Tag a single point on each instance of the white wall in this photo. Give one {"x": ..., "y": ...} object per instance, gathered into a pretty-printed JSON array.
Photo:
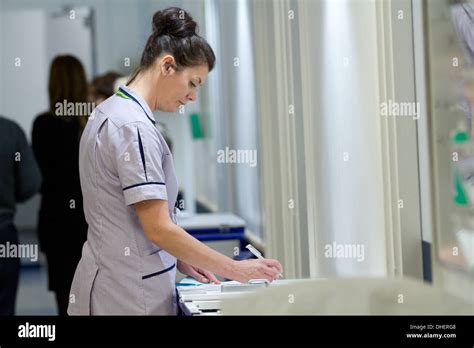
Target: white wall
[
  {"x": 69, "y": 33},
  {"x": 120, "y": 33},
  {"x": 24, "y": 85},
  {"x": 23, "y": 93}
]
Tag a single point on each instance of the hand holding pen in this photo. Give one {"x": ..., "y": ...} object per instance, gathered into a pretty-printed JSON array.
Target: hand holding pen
[{"x": 256, "y": 253}]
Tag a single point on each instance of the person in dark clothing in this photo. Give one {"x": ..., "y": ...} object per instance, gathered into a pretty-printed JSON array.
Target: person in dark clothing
[
  {"x": 20, "y": 180},
  {"x": 62, "y": 228}
]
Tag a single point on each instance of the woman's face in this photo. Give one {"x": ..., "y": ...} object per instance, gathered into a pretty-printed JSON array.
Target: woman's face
[{"x": 180, "y": 86}]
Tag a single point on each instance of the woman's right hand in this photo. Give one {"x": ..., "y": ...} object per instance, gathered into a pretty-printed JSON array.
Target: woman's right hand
[{"x": 256, "y": 269}]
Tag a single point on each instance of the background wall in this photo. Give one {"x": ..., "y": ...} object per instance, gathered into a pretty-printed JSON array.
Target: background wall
[{"x": 234, "y": 119}]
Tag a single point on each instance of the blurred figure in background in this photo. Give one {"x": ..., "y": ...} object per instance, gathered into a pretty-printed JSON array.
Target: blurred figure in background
[
  {"x": 62, "y": 228},
  {"x": 166, "y": 135},
  {"x": 21, "y": 179},
  {"x": 103, "y": 87},
  {"x": 463, "y": 17}
]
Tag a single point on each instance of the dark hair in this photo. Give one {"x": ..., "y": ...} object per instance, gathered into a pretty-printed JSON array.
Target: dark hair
[
  {"x": 103, "y": 86},
  {"x": 175, "y": 32},
  {"x": 67, "y": 81}
]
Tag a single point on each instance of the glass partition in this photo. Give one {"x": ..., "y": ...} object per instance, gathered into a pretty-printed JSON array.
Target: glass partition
[{"x": 450, "y": 29}]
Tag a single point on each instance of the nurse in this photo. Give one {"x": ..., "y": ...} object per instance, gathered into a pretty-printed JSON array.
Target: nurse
[{"x": 134, "y": 246}]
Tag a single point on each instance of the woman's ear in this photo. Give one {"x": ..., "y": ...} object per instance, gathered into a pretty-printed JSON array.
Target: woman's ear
[{"x": 167, "y": 65}]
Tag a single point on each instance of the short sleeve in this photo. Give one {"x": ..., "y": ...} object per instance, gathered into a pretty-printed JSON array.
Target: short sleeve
[{"x": 137, "y": 153}]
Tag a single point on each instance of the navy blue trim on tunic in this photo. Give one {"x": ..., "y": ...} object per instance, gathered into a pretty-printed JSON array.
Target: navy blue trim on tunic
[
  {"x": 160, "y": 272},
  {"x": 136, "y": 101},
  {"x": 144, "y": 183},
  {"x": 142, "y": 153}
]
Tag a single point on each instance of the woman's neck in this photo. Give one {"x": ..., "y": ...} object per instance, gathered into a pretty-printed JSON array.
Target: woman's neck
[{"x": 145, "y": 86}]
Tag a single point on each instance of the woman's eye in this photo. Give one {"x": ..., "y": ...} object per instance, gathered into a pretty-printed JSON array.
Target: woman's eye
[{"x": 192, "y": 84}]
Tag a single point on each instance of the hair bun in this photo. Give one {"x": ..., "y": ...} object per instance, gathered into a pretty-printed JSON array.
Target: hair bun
[{"x": 174, "y": 22}]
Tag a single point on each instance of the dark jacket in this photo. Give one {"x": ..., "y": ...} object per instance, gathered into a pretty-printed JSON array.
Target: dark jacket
[
  {"x": 62, "y": 228},
  {"x": 20, "y": 178}
]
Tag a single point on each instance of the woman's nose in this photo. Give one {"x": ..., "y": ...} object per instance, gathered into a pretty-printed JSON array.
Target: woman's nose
[{"x": 192, "y": 96}]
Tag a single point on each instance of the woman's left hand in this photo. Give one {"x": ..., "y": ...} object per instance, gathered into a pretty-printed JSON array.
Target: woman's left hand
[{"x": 197, "y": 273}]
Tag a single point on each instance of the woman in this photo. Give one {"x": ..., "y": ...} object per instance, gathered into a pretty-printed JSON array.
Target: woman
[
  {"x": 62, "y": 228},
  {"x": 129, "y": 261}
]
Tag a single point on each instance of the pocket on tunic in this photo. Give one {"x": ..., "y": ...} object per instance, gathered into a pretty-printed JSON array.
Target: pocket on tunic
[
  {"x": 81, "y": 288},
  {"x": 154, "y": 274},
  {"x": 158, "y": 280}
]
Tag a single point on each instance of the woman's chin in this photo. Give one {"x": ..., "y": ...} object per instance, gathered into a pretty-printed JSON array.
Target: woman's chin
[{"x": 169, "y": 109}]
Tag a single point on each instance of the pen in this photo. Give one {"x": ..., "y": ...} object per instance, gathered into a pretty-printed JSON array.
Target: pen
[{"x": 256, "y": 253}]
